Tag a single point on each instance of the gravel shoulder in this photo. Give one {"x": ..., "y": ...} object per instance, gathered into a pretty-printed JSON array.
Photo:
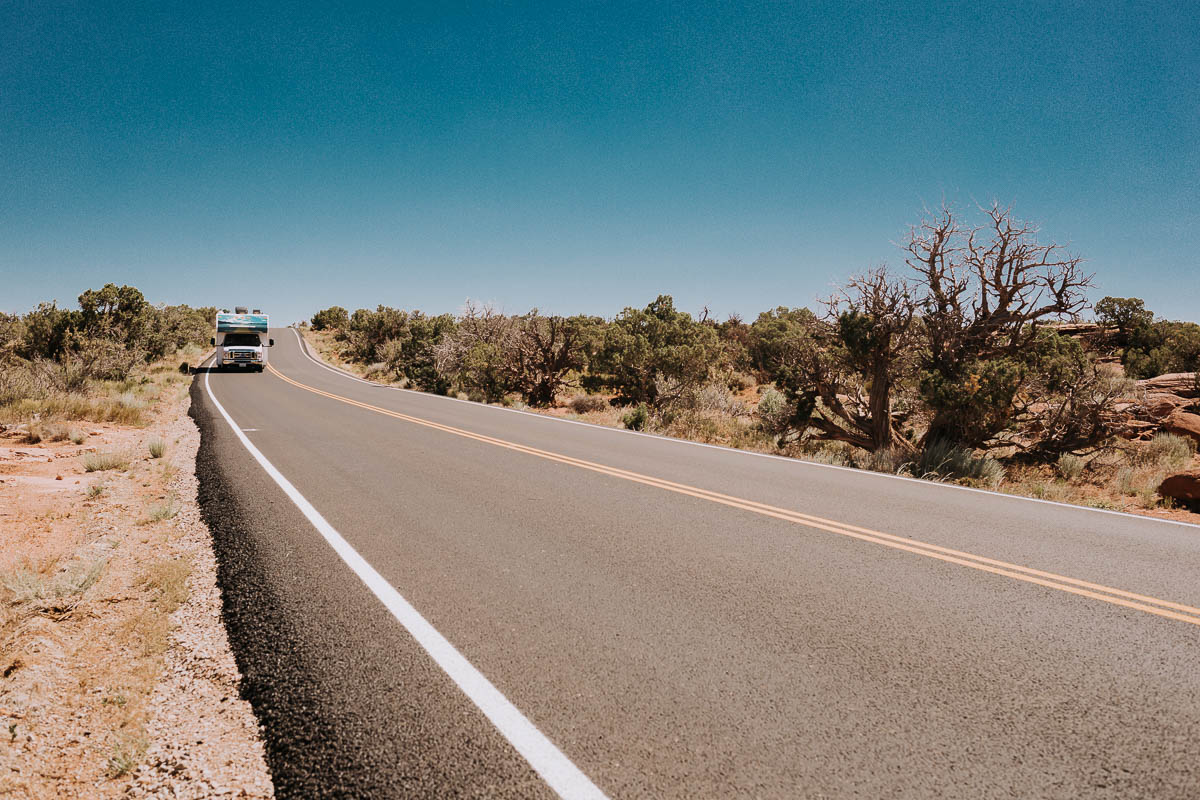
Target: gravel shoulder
[{"x": 116, "y": 676}]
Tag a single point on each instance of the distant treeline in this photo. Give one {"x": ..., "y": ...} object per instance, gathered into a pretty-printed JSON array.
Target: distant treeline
[
  {"x": 114, "y": 329},
  {"x": 962, "y": 348}
]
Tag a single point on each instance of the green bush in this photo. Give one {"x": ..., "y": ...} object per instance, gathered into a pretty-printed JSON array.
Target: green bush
[
  {"x": 642, "y": 347},
  {"x": 1162, "y": 348},
  {"x": 637, "y": 419},
  {"x": 332, "y": 318}
]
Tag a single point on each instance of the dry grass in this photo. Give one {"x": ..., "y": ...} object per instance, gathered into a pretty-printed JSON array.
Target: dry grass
[
  {"x": 30, "y": 394},
  {"x": 168, "y": 582},
  {"x": 127, "y": 752},
  {"x": 100, "y": 462},
  {"x": 43, "y": 589},
  {"x": 163, "y": 511},
  {"x": 81, "y": 407},
  {"x": 157, "y": 447}
]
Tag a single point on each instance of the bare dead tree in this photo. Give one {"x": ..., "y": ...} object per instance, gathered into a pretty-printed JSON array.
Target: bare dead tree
[
  {"x": 545, "y": 350},
  {"x": 987, "y": 290},
  {"x": 477, "y": 351}
]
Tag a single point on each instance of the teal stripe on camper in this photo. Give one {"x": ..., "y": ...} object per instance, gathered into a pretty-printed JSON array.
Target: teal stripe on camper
[{"x": 241, "y": 323}]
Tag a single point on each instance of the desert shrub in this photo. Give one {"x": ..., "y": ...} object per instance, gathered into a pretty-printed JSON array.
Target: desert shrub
[
  {"x": 716, "y": 398},
  {"x": 39, "y": 431},
  {"x": 544, "y": 350},
  {"x": 104, "y": 359},
  {"x": 332, "y": 318},
  {"x": 944, "y": 459},
  {"x": 1161, "y": 348},
  {"x": 157, "y": 447},
  {"x": 644, "y": 347},
  {"x": 378, "y": 370},
  {"x": 59, "y": 592},
  {"x": 637, "y": 419},
  {"x": 390, "y": 353},
  {"x": 775, "y": 335},
  {"x": 130, "y": 400},
  {"x": 889, "y": 459},
  {"x": 163, "y": 511},
  {"x": 837, "y": 454},
  {"x": 588, "y": 403},
  {"x": 12, "y": 333},
  {"x": 1165, "y": 450},
  {"x": 1070, "y": 466},
  {"x": 1126, "y": 314},
  {"x": 740, "y": 382},
  {"x": 98, "y": 462},
  {"x": 774, "y": 412},
  {"x": 174, "y": 328},
  {"x": 128, "y": 750}
]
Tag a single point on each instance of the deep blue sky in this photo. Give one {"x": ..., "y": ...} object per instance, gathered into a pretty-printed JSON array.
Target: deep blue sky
[{"x": 582, "y": 157}]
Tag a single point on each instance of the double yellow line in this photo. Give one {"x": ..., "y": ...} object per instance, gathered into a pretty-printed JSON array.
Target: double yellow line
[{"x": 1050, "y": 580}]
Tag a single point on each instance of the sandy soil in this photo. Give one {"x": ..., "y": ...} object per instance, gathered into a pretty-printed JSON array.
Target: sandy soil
[{"x": 116, "y": 678}]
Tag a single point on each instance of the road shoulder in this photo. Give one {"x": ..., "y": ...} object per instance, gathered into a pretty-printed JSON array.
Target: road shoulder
[{"x": 118, "y": 676}]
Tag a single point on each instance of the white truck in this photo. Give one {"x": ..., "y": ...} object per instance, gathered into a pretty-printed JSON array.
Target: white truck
[{"x": 240, "y": 341}]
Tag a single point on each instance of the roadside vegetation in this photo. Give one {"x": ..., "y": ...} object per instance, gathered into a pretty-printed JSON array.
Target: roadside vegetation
[
  {"x": 97, "y": 363},
  {"x": 969, "y": 363},
  {"x": 88, "y": 581}
]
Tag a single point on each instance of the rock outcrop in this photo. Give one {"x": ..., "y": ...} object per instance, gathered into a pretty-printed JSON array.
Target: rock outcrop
[
  {"x": 1180, "y": 384},
  {"x": 1183, "y": 487},
  {"x": 1182, "y": 423},
  {"x": 1167, "y": 403}
]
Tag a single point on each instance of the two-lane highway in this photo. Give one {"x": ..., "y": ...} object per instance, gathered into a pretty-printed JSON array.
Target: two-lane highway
[{"x": 673, "y": 620}]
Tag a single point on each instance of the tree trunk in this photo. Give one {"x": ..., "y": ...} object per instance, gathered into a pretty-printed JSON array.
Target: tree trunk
[{"x": 881, "y": 409}]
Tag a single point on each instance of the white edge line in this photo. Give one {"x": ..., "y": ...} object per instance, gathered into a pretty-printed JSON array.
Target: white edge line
[
  {"x": 547, "y": 760},
  {"x": 799, "y": 462}
]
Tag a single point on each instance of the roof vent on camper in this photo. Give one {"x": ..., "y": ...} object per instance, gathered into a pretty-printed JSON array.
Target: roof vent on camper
[
  {"x": 256, "y": 311},
  {"x": 239, "y": 309}
]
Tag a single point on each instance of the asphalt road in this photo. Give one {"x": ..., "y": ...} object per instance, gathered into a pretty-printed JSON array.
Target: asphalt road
[{"x": 678, "y": 620}]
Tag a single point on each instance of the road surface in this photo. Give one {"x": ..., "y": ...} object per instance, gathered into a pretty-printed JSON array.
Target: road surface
[{"x": 435, "y": 598}]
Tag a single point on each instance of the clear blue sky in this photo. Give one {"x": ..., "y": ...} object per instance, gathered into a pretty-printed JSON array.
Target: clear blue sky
[{"x": 580, "y": 157}]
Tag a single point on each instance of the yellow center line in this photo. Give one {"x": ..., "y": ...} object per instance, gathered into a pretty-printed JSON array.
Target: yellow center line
[{"x": 1095, "y": 591}]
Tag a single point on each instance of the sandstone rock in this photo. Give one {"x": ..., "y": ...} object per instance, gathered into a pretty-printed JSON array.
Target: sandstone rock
[
  {"x": 1179, "y": 383},
  {"x": 1182, "y": 423},
  {"x": 1135, "y": 429},
  {"x": 1183, "y": 486},
  {"x": 1160, "y": 406}
]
